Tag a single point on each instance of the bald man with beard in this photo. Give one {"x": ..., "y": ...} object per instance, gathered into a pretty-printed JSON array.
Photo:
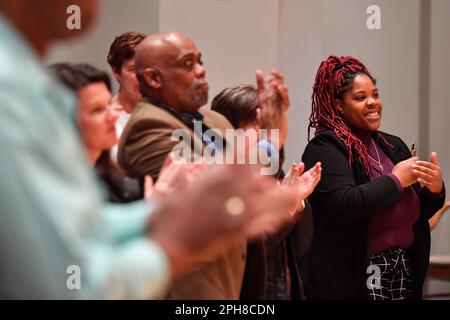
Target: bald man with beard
[
  {"x": 172, "y": 82},
  {"x": 173, "y": 85}
]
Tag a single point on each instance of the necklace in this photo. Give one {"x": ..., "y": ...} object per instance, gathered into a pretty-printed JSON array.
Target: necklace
[{"x": 378, "y": 162}]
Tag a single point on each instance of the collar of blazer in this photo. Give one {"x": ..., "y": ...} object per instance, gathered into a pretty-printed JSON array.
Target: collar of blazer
[{"x": 208, "y": 118}]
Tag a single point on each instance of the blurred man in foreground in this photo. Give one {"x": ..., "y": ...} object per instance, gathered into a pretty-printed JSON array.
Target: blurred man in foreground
[{"x": 58, "y": 240}]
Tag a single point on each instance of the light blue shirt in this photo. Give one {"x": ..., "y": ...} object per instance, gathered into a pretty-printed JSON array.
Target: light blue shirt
[{"x": 58, "y": 239}]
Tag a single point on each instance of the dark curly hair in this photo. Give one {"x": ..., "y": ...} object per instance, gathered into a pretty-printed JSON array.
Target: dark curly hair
[{"x": 122, "y": 48}]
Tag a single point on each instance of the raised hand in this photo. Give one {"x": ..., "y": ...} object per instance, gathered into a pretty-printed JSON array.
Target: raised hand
[
  {"x": 277, "y": 80},
  {"x": 429, "y": 174},
  {"x": 274, "y": 101},
  {"x": 304, "y": 182}
]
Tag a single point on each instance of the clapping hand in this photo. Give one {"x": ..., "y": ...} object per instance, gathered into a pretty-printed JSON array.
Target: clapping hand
[
  {"x": 303, "y": 182},
  {"x": 429, "y": 174},
  {"x": 172, "y": 174}
]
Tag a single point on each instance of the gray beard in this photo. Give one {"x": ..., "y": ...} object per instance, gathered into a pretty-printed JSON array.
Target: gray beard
[{"x": 194, "y": 98}]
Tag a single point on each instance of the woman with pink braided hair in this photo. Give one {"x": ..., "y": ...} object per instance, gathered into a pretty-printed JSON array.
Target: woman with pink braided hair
[{"x": 371, "y": 208}]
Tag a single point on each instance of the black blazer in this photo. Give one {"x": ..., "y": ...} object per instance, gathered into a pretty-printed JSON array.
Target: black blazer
[{"x": 343, "y": 204}]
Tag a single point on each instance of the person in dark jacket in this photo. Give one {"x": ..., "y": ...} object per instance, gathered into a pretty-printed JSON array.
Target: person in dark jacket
[
  {"x": 371, "y": 208},
  {"x": 271, "y": 271}
]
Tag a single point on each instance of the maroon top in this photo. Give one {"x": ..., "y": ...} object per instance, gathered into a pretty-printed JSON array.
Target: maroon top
[{"x": 393, "y": 227}]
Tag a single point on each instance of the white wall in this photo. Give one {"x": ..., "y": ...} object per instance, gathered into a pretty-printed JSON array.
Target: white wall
[
  {"x": 439, "y": 139},
  {"x": 299, "y": 57},
  {"x": 116, "y": 17},
  {"x": 236, "y": 37},
  {"x": 440, "y": 108}
]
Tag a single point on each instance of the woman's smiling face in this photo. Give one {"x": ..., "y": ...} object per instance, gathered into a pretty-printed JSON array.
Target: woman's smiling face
[{"x": 361, "y": 105}]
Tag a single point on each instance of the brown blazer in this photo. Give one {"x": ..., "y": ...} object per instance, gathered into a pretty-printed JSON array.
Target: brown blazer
[
  {"x": 146, "y": 140},
  {"x": 144, "y": 145}
]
